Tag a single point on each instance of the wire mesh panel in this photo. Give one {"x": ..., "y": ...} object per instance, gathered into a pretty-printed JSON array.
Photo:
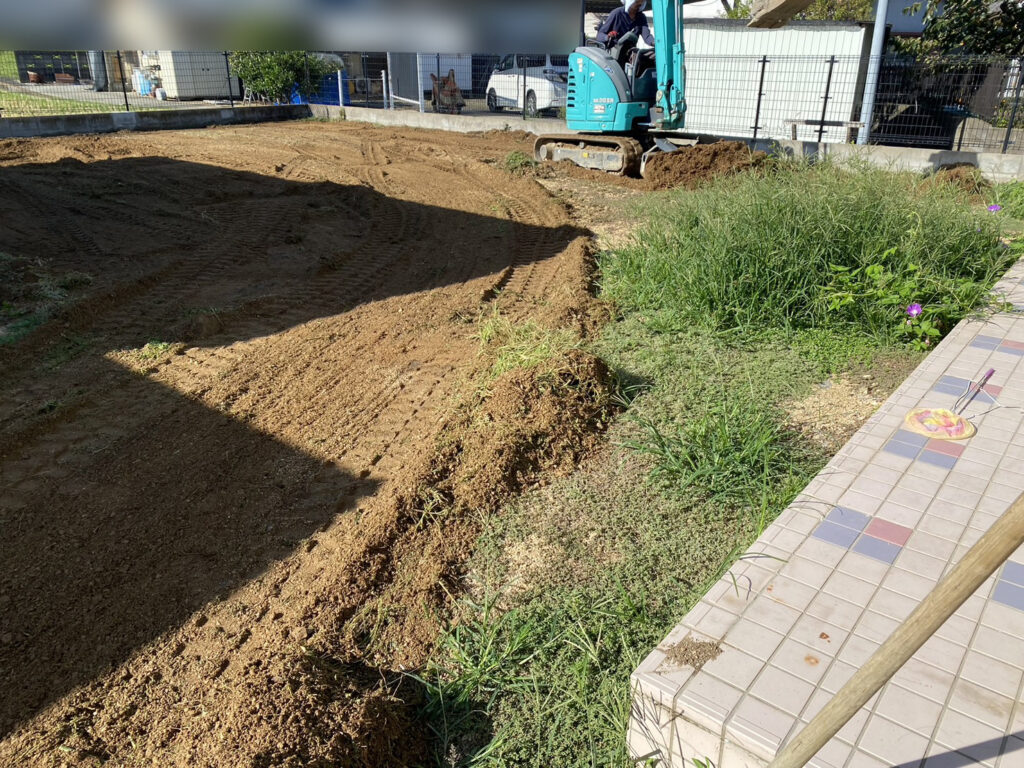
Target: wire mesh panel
[
  {"x": 964, "y": 103},
  {"x": 812, "y": 98},
  {"x": 75, "y": 82}
]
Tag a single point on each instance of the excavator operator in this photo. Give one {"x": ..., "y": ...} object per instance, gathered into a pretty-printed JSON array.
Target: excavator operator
[{"x": 620, "y": 22}]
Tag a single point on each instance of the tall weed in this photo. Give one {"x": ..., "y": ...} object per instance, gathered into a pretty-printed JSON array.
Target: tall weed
[{"x": 777, "y": 249}]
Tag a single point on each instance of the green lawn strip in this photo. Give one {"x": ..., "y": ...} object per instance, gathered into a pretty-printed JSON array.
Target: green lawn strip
[
  {"x": 29, "y": 104},
  {"x": 8, "y": 65},
  {"x": 729, "y": 311}
]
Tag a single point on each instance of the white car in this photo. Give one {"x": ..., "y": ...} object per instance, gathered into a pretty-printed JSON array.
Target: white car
[{"x": 534, "y": 83}]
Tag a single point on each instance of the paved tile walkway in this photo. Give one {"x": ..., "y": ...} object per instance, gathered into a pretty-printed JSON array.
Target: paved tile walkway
[{"x": 838, "y": 571}]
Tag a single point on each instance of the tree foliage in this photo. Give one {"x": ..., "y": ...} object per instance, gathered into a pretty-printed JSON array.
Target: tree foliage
[
  {"x": 819, "y": 10},
  {"x": 979, "y": 27},
  {"x": 272, "y": 74}
]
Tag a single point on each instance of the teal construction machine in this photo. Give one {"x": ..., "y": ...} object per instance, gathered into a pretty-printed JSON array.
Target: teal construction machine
[{"x": 625, "y": 106}]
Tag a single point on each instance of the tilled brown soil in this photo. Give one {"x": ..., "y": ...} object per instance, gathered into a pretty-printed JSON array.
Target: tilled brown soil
[{"x": 224, "y": 548}]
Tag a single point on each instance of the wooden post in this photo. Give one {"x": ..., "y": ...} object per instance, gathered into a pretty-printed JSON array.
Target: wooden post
[
  {"x": 980, "y": 562},
  {"x": 769, "y": 14}
]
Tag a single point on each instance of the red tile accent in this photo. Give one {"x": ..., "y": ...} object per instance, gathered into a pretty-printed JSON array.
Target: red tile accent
[
  {"x": 946, "y": 447},
  {"x": 993, "y": 389},
  {"x": 883, "y": 529},
  {"x": 1012, "y": 344}
]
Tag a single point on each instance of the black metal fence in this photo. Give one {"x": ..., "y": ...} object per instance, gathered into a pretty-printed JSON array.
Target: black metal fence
[{"x": 964, "y": 103}]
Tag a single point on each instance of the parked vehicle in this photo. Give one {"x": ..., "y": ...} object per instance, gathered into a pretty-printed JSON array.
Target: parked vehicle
[{"x": 535, "y": 83}]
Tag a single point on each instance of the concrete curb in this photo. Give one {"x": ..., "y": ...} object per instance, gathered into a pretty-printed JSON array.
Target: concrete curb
[
  {"x": 993, "y": 166},
  {"x": 151, "y": 120},
  {"x": 454, "y": 123}
]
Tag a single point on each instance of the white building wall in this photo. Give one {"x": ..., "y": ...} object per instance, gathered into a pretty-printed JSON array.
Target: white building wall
[{"x": 723, "y": 74}]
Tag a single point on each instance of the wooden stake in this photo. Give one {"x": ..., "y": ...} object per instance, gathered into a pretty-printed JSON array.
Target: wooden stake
[{"x": 980, "y": 562}]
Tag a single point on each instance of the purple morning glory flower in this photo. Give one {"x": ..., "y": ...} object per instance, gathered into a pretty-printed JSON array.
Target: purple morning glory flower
[
  {"x": 914, "y": 310},
  {"x": 995, "y": 208}
]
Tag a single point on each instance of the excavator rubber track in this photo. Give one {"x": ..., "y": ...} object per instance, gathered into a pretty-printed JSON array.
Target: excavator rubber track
[{"x": 613, "y": 154}]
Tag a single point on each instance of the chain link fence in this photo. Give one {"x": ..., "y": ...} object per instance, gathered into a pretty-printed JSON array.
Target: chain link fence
[{"x": 957, "y": 102}]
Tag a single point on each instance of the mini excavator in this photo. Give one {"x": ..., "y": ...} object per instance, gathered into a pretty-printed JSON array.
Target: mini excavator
[{"x": 626, "y": 107}]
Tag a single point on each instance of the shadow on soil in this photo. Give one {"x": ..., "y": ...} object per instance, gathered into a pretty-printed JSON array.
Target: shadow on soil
[{"x": 130, "y": 506}]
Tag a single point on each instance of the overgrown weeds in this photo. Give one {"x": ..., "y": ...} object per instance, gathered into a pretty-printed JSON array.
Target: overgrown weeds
[{"x": 802, "y": 247}]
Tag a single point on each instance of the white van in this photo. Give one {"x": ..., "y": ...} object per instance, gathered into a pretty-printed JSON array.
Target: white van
[{"x": 535, "y": 83}]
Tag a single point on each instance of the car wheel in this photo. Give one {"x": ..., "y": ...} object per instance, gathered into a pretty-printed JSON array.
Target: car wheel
[
  {"x": 492, "y": 101},
  {"x": 531, "y": 104}
]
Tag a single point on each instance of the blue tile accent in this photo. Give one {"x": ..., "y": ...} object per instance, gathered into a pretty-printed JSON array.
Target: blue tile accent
[
  {"x": 910, "y": 438},
  {"x": 1009, "y": 594},
  {"x": 848, "y": 518},
  {"x": 902, "y": 449},
  {"x": 1011, "y": 351},
  {"x": 937, "y": 459},
  {"x": 835, "y": 534},
  {"x": 958, "y": 387},
  {"x": 1013, "y": 572},
  {"x": 989, "y": 342},
  {"x": 876, "y": 548}
]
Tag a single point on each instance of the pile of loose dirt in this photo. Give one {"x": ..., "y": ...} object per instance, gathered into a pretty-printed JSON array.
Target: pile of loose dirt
[
  {"x": 512, "y": 136},
  {"x": 964, "y": 176},
  {"x": 691, "y": 166},
  {"x": 691, "y": 652}
]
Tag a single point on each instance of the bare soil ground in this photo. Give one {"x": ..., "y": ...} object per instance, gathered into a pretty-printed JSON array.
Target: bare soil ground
[
  {"x": 235, "y": 489},
  {"x": 243, "y": 450}
]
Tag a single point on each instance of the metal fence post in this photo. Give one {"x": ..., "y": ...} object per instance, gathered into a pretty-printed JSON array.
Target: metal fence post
[
  {"x": 760, "y": 94},
  {"x": 124, "y": 90},
  {"x": 231, "y": 91},
  {"x": 963, "y": 130},
  {"x": 522, "y": 69},
  {"x": 1016, "y": 104},
  {"x": 824, "y": 105},
  {"x": 341, "y": 95}
]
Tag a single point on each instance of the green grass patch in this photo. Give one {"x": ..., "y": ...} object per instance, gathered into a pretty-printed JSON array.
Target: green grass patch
[
  {"x": 154, "y": 350},
  {"x": 521, "y": 345},
  {"x": 518, "y": 163},
  {"x": 29, "y": 104},
  {"x": 802, "y": 246},
  {"x": 8, "y": 65},
  {"x": 1010, "y": 198},
  {"x": 581, "y": 580}
]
